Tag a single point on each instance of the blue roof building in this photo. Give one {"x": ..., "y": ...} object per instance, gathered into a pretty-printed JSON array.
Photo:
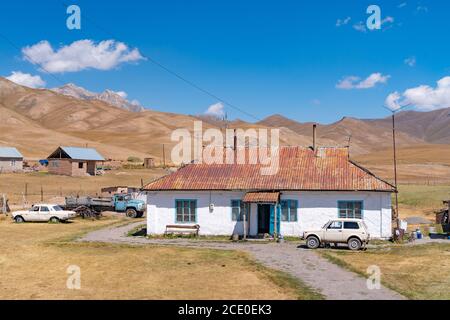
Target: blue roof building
[
  {"x": 74, "y": 161},
  {"x": 11, "y": 160},
  {"x": 10, "y": 153}
]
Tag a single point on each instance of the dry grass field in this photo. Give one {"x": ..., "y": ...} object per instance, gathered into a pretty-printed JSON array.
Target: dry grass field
[
  {"x": 417, "y": 164},
  {"x": 54, "y": 186},
  {"x": 417, "y": 272},
  {"x": 34, "y": 258}
]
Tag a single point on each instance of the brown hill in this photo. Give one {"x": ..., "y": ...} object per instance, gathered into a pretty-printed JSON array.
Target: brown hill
[
  {"x": 362, "y": 136},
  {"x": 432, "y": 126},
  {"x": 38, "y": 120}
]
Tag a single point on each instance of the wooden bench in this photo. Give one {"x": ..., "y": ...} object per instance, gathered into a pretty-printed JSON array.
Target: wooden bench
[{"x": 182, "y": 229}]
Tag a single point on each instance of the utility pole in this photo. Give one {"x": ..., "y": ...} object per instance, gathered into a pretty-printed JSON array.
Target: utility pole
[
  {"x": 395, "y": 165},
  {"x": 394, "y": 145}
]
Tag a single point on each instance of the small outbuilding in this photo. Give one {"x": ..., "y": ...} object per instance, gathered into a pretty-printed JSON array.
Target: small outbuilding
[
  {"x": 11, "y": 160},
  {"x": 74, "y": 161}
]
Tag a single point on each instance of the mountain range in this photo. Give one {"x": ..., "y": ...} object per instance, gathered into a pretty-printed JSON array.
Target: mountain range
[
  {"x": 36, "y": 121},
  {"x": 117, "y": 99}
]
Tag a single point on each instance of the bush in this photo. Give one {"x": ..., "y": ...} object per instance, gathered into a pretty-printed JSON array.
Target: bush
[{"x": 134, "y": 159}]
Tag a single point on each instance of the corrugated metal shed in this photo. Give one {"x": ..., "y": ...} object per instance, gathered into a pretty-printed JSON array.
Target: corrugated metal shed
[
  {"x": 76, "y": 153},
  {"x": 10, "y": 153},
  {"x": 299, "y": 169}
]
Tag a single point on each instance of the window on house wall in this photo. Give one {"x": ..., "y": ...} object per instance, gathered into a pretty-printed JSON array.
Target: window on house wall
[
  {"x": 13, "y": 163},
  {"x": 239, "y": 209},
  {"x": 350, "y": 209},
  {"x": 186, "y": 211},
  {"x": 80, "y": 165},
  {"x": 289, "y": 210}
]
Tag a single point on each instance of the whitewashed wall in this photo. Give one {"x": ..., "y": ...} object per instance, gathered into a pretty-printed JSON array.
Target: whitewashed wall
[
  {"x": 8, "y": 165},
  {"x": 314, "y": 210}
]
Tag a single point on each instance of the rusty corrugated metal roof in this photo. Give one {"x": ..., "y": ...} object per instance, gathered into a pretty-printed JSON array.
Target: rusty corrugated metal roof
[
  {"x": 299, "y": 169},
  {"x": 261, "y": 197}
]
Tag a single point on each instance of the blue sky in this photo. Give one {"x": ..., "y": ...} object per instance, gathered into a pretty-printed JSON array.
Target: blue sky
[{"x": 265, "y": 57}]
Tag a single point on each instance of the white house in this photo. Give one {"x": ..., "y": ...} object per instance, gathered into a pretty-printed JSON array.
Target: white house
[{"x": 310, "y": 188}]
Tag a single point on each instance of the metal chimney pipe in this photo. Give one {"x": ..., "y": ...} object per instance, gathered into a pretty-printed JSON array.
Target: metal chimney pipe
[{"x": 314, "y": 136}]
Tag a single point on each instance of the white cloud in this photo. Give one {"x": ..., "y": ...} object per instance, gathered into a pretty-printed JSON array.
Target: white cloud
[
  {"x": 342, "y": 22},
  {"x": 122, "y": 94},
  {"x": 421, "y": 8},
  {"x": 385, "y": 23},
  {"x": 80, "y": 55},
  {"x": 402, "y": 5},
  {"x": 360, "y": 26},
  {"x": 354, "y": 82},
  {"x": 26, "y": 79},
  {"x": 411, "y": 61},
  {"x": 393, "y": 101},
  {"x": 216, "y": 110},
  {"x": 423, "y": 97},
  {"x": 388, "y": 19},
  {"x": 135, "y": 102}
]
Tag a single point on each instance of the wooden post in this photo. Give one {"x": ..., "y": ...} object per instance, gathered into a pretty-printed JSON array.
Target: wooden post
[
  {"x": 395, "y": 168},
  {"x": 245, "y": 222},
  {"x": 164, "y": 156},
  {"x": 26, "y": 192},
  {"x": 3, "y": 209},
  {"x": 275, "y": 230},
  {"x": 42, "y": 194}
]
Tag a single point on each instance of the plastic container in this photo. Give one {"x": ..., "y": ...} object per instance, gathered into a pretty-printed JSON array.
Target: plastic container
[{"x": 419, "y": 234}]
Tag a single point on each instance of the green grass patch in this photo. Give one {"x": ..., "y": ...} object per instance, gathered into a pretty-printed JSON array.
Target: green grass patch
[{"x": 423, "y": 196}]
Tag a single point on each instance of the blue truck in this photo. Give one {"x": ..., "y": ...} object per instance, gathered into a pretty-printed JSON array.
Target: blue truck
[{"x": 133, "y": 208}]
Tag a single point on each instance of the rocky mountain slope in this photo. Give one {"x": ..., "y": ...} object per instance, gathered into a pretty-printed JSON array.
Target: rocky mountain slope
[{"x": 117, "y": 99}]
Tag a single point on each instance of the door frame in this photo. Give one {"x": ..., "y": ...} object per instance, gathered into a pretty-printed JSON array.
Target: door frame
[
  {"x": 267, "y": 218},
  {"x": 273, "y": 207}
]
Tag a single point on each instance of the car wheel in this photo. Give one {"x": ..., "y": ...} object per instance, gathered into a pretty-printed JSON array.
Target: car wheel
[
  {"x": 131, "y": 213},
  {"x": 312, "y": 242},
  {"x": 19, "y": 219},
  {"x": 354, "y": 244},
  {"x": 54, "y": 220}
]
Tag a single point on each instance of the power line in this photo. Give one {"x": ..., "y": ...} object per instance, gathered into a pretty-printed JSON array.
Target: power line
[
  {"x": 30, "y": 58},
  {"x": 173, "y": 73}
]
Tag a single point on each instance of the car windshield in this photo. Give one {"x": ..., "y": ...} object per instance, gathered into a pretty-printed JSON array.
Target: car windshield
[
  {"x": 57, "y": 208},
  {"x": 325, "y": 225}
]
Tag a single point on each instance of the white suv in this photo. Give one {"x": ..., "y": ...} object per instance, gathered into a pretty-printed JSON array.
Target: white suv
[{"x": 353, "y": 232}]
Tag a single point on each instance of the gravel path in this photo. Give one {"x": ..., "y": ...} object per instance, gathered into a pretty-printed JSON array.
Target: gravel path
[{"x": 327, "y": 278}]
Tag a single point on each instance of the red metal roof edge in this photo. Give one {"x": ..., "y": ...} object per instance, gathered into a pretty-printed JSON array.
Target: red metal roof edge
[
  {"x": 372, "y": 174},
  {"x": 391, "y": 189}
]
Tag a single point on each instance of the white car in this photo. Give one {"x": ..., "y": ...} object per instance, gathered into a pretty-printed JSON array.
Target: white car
[
  {"x": 353, "y": 232},
  {"x": 43, "y": 213}
]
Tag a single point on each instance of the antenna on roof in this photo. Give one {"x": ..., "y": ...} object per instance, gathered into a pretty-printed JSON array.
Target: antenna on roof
[{"x": 314, "y": 136}]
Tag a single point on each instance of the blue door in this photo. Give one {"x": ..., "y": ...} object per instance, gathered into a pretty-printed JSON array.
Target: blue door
[
  {"x": 272, "y": 218},
  {"x": 120, "y": 203}
]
